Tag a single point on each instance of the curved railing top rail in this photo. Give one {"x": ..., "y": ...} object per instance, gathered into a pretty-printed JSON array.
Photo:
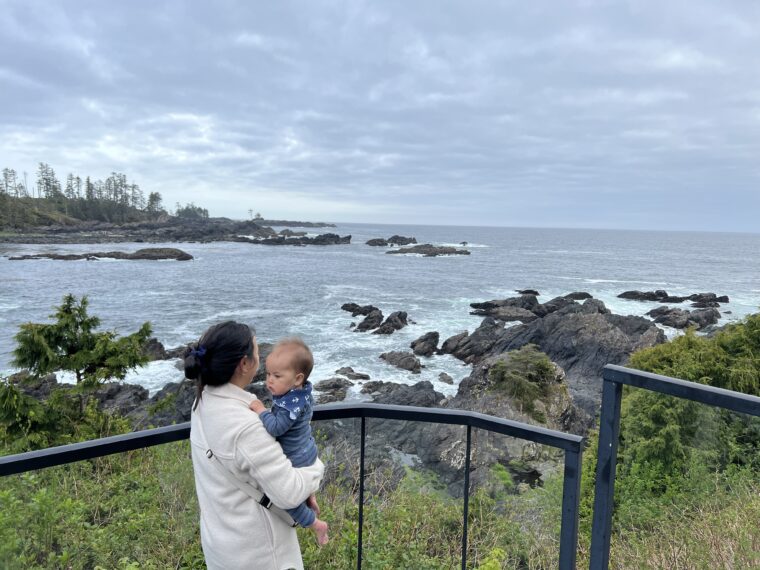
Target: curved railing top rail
[{"x": 63, "y": 454}]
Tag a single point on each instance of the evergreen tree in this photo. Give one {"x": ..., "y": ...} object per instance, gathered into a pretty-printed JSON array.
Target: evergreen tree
[{"x": 71, "y": 343}]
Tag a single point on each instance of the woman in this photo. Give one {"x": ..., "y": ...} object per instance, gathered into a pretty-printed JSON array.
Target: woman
[{"x": 235, "y": 460}]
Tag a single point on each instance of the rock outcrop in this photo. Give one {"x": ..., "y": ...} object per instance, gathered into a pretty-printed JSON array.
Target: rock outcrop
[
  {"x": 403, "y": 360},
  {"x": 426, "y": 345},
  {"x": 149, "y": 254},
  {"x": 681, "y": 318},
  {"x": 429, "y": 250},
  {"x": 395, "y": 321}
]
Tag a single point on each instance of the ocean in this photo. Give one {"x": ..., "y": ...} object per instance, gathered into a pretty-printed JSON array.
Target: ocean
[{"x": 286, "y": 290}]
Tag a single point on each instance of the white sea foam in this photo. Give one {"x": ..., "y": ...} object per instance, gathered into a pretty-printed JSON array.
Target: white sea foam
[{"x": 153, "y": 376}]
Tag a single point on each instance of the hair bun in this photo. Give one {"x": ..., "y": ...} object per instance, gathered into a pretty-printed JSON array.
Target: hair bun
[{"x": 192, "y": 364}]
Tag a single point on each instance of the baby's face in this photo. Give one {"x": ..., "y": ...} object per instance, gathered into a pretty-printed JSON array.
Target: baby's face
[{"x": 281, "y": 376}]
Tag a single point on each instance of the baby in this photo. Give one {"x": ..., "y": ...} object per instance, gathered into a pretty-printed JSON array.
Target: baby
[{"x": 288, "y": 368}]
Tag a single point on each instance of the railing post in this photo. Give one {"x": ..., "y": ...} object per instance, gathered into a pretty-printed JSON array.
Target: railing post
[
  {"x": 571, "y": 491},
  {"x": 361, "y": 495},
  {"x": 604, "y": 493},
  {"x": 466, "y": 496}
]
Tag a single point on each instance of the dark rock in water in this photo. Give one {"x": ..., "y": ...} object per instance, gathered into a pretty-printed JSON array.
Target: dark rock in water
[
  {"x": 706, "y": 305},
  {"x": 349, "y": 373},
  {"x": 377, "y": 242},
  {"x": 404, "y": 360},
  {"x": 553, "y": 305},
  {"x": 643, "y": 295},
  {"x": 463, "y": 243},
  {"x": 395, "y": 321},
  {"x": 470, "y": 347},
  {"x": 373, "y": 320},
  {"x": 490, "y": 308},
  {"x": 705, "y": 300},
  {"x": 680, "y": 318},
  {"x": 150, "y": 254},
  {"x": 426, "y": 345},
  {"x": 357, "y": 310},
  {"x": 401, "y": 240},
  {"x": 578, "y": 296},
  {"x": 322, "y": 239},
  {"x": 154, "y": 350},
  {"x": 332, "y": 390},
  {"x": 428, "y": 250},
  {"x": 527, "y": 292},
  {"x": 445, "y": 378},
  {"x": 451, "y": 343},
  {"x": 510, "y": 314},
  {"x": 290, "y": 233}
]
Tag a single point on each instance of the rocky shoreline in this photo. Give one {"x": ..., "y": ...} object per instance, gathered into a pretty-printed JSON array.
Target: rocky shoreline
[
  {"x": 576, "y": 332},
  {"x": 171, "y": 229}
]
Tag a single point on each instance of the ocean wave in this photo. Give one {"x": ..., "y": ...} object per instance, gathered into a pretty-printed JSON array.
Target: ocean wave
[{"x": 459, "y": 244}]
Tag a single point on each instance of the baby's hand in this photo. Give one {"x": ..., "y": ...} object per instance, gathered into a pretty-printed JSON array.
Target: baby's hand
[{"x": 257, "y": 406}]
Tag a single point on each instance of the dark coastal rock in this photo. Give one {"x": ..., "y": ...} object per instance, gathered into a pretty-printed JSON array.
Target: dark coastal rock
[
  {"x": 527, "y": 292},
  {"x": 154, "y": 350},
  {"x": 445, "y": 378},
  {"x": 401, "y": 240},
  {"x": 703, "y": 300},
  {"x": 349, "y": 373},
  {"x": 426, "y": 345},
  {"x": 322, "y": 239},
  {"x": 357, "y": 310},
  {"x": 428, "y": 250},
  {"x": 332, "y": 390},
  {"x": 486, "y": 308},
  {"x": 581, "y": 339},
  {"x": 290, "y": 233},
  {"x": 395, "y": 321},
  {"x": 150, "y": 254},
  {"x": 681, "y": 319},
  {"x": 643, "y": 295},
  {"x": 373, "y": 320},
  {"x": 403, "y": 360},
  {"x": 469, "y": 347},
  {"x": 120, "y": 398},
  {"x": 578, "y": 296},
  {"x": 706, "y": 305},
  {"x": 451, "y": 343},
  {"x": 377, "y": 242}
]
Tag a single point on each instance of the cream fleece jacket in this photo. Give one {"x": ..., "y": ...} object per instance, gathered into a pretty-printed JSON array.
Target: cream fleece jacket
[{"x": 237, "y": 533}]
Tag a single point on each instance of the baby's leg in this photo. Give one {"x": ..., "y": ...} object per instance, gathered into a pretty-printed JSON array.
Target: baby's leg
[{"x": 320, "y": 528}]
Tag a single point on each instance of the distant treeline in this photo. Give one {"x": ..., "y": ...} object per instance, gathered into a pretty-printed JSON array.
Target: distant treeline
[{"x": 46, "y": 201}]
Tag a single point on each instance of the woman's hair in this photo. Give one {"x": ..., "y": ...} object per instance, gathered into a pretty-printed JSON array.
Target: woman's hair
[{"x": 213, "y": 359}]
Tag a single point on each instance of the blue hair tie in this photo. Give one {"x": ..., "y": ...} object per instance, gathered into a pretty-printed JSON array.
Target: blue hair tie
[{"x": 200, "y": 352}]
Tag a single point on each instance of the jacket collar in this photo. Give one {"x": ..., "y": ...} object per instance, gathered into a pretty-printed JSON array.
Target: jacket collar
[{"x": 229, "y": 391}]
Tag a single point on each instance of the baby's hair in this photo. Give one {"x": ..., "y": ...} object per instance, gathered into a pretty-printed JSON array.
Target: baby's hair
[{"x": 303, "y": 360}]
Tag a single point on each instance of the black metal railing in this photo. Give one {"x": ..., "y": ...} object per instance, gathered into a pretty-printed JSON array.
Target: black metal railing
[
  {"x": 614, "y": 377},
  {"x": 570, "y": 444}
]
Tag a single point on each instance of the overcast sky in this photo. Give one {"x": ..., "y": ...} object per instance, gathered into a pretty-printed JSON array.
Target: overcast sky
[{"x": 549, "y": 114}]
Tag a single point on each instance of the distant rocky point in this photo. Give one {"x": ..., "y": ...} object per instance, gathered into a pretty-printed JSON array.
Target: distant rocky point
[
  {"x": 292, "y": 224},
  {"x": 163, "y": 230},
  {"x": 429, "y": 250},
  {"x": 150, "y": 253},
  {"x": 322, "y": 239}
]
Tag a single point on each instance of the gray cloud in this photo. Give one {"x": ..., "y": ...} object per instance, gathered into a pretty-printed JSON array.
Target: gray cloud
[{"x": 585, "y": 114}]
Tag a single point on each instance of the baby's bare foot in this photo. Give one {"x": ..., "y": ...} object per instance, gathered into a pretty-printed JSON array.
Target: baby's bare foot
[{"x": 320, "y": 528}]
